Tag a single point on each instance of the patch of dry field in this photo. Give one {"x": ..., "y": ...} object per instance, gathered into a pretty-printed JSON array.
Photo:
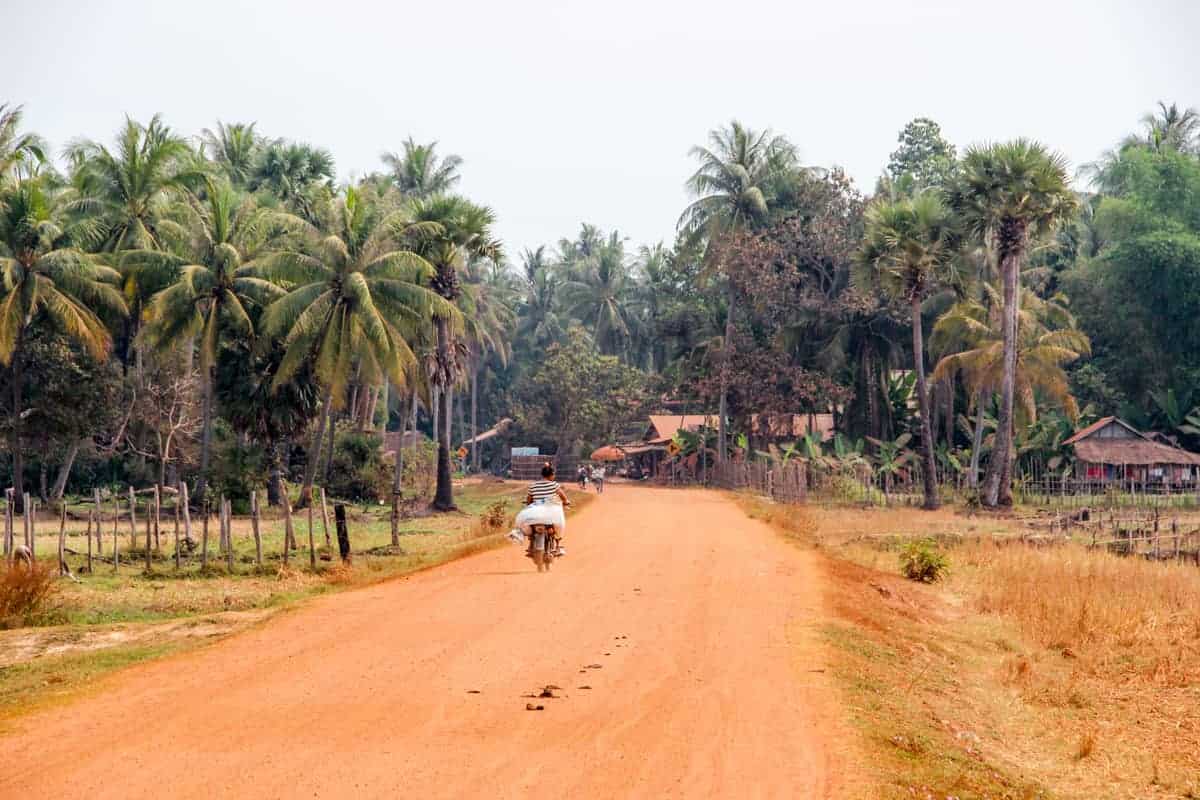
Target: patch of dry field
[{"x": 1032, "y": 672}]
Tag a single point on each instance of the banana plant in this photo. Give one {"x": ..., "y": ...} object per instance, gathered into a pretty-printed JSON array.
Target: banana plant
[{"x": 891, "y": 458}]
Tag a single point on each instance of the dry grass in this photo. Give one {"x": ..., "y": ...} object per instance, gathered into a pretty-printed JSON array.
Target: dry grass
[
  {"x": 26, "y": 592},
  {"x": 1033, "y": 672}
]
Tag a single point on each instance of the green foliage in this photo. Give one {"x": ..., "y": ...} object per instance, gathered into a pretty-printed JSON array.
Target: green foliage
[
  {"x": 26, "y": 592},
  {"x": 359, "y": 472},
  {"x": 924, "y": 156},
  {"x": 923, "y": 561},
  {"x": 576, "y": 395}
]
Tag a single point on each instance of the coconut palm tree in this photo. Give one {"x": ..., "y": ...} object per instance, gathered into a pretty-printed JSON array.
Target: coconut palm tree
[
  {"x": 353, "y": 304},
  {"x": 538, "y": 319},
  {"x": 420, "y": 173},
  {"x": 909, "y": 249},
  {"x": 487, "y": 307},
  {"x": 602, "y": 294},
  {"x": 1170, "y": 128},
  {"x": 733, "y": 190},
  {"x": 1009, "y": 195},
  {"x": 235, "y": 148},
  {"x": 291, "y": 171},
  {"x": 17, "y": 149},
  {"x": 970, "y": 335},
  {"x": 456, "y": 231},
  {"x": 45, "y": 277},
  {"x": 215, "y": 286}
]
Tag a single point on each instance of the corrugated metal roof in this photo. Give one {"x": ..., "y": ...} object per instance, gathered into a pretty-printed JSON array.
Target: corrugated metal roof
[{"x": 665, "y": 426}]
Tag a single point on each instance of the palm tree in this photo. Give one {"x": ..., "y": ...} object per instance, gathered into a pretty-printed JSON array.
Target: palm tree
[
  {"x": 653, "y": 285},
  {"x": 353, "y": 306},
  {"x": 487, "y": 306},
  {"x": 1009, "y": 195},
  {"x": 420, "y": 173},
  {"x": 456, "y": 231},
  {"x": 216, "y": 285},
  {"x": 909, "y": 248},
  {"x": 291, "y": 171},
  {"x": 602, "y": 294},
  {"x": 45, "y": 277},
  {"x": 1169, "y": 129},
  {"x": 539, "y": 325},
  {"x": 236, "y": 149},
  {"x": 971, "y": 336},
  {"x": 16, "y": 149},
  {"x": 732, "y": 187}
]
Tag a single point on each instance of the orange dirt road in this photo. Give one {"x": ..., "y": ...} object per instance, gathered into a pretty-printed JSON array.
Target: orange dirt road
[{"x": 690, "y": 623}]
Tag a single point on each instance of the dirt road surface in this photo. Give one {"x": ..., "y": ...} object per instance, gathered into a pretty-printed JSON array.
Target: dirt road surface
[{"x": 678, "y": 629}]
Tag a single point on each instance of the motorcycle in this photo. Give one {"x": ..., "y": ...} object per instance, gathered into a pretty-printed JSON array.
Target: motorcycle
[{"x": 540, "y": 525}]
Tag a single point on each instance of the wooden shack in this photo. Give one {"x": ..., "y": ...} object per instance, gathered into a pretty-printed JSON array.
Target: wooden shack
[{"x": 1111, "y": 450}]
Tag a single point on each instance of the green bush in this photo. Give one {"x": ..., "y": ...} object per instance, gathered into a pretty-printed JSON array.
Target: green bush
[
  {"x": 359, "y": 472},
  {"x": 923, "y": 561}
]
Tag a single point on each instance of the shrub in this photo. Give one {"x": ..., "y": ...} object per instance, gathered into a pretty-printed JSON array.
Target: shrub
[
  {"x": 496, "y": 515},
  {"x": 359, "y": 471},
  {"x": 26, "y": 592},
  {"x": 922, "y": 561}
]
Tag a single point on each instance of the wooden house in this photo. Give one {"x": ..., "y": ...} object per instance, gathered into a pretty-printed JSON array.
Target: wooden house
[{"x": 1112, "y": 450}]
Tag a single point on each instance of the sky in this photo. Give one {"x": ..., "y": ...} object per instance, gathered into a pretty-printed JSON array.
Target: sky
[{"x": 567, "y": 111}]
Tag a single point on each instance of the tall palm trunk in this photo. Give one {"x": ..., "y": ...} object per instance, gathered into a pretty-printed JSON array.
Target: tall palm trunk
[
  {"x": 205, "y": 436},
  {"x": 398, "y": 476},
  {"x": 998, "y": 480},
  {"x": 443, "y": 498},
  {"x": 475, "y": 419},
  {"x": 275, "y": 481},
  {"x": 726, "y": 355},
  {"x": 332, "y": 426},
  {"x": 314, "y": 453},
  {"x": 927, "y": 463},
  {"x": 977, "y": 440},
  {"x": 14, "y": 434}
]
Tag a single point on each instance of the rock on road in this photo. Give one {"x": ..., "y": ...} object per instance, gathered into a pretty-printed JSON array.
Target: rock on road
[{"x": 690, "y": 623}]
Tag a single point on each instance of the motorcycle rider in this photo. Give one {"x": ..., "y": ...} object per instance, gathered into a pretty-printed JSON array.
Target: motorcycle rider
[{"x": 548, "y": 490}]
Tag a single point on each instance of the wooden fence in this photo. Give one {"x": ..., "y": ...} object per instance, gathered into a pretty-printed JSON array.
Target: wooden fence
[
  {"x": 787, "y": 483},
  {"x": 1148, "y": 533}
]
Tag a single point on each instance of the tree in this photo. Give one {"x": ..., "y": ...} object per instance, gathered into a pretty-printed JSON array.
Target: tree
[
  {"x": 235, "y": 148},
  {"x": 216, "y": 285},
  {"x": 971, "y": 337},
  {"x": 353, "y": 303},
  {"x": 924, "y": 155},
  {"x": 576, "y": 395},
  {"x": 420, "y": 173},
  {"x": 1009, "y": 195},
  {"x": 43, "y": 276},
  {"x": 733, "y": 187},
  {"x": 602, "y": 295},
  {"x": 18, "y": 150},
  {"x": 910, "y": 248},
  {"x": 291, "y": 171},
  {"x": 539, "y": 324},
  {"x": 455, "y": 230}
]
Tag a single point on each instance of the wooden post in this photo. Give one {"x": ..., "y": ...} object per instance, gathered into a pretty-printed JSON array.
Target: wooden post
[
  {"x": 62, "y": 539},
  {"x": 149, "y": 534},
  {"x": 221, "y": 544},
  {"x": 178, "y": 495},
  {"x": 254, "y": 527},
  {"x": 31, "y": 527},
  {"x": 287, "y": 526},
  {"x": 229, "y": 535},
  {"x": 91, "y": 516},
  {"x": 116, "y": 524},
  {"x": 132, "y": 519},
  {"x": 204, "y": 537},
  {"x": 157, "y": 517},
  {"x": 343, "y": 533},
  {"x": 8, "y": 522},
  {"x": 185, "y": 502},
  {"x": 325, "y": 509},
  {"x": 99, "y": 517},
  {"x": 312, "y": 544}
]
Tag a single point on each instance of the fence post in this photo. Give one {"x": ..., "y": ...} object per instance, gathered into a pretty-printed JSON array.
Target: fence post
[
  {"x": 287, "y": 526},
  {"x": 204, "y": 536},
  {"x": 325, "y": 519},
  {"x": 91, "y": 517},
  {"x": 99, "y": 516},
  {"x": 254, "y": 526},
  {"x": 229, "y": 535},
  {"x": 62, "y": 539},
  {"x": 8, "y": 522},
  {"x": 343, "y": 532}
]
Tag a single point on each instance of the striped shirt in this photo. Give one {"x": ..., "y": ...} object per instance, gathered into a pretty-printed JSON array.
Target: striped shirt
[{"x": 543, "y": 490}]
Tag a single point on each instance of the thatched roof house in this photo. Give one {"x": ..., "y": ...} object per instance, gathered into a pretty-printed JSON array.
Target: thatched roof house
[{"x": 1112, "y": 449}]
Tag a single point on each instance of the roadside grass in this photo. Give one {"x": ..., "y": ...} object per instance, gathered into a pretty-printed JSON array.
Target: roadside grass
[
  {"x": 110, "y": 619},
  {"x": 1031, "y": 672}
]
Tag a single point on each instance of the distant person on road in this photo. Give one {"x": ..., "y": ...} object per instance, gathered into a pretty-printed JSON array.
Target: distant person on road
[
  {"x": 581, "y": 475},
  {"x": 598, "y": 478},
  {"x": 547, "y": 490}
]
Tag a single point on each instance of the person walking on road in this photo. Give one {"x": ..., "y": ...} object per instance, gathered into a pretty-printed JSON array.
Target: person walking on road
[{"x": 598, "y": 478}]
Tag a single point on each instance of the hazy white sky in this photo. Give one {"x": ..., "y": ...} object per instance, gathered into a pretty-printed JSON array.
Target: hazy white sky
[{"x": 575, "y": 111}]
